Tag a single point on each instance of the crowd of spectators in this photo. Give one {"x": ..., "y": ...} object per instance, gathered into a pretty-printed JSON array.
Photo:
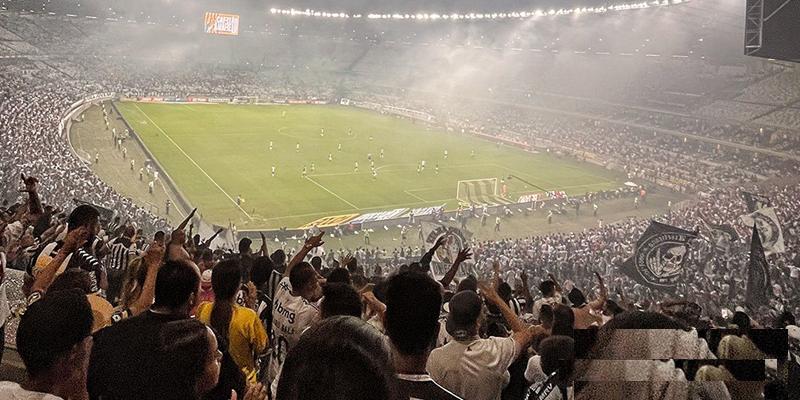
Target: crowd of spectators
[
  {"x": 127, "y": 315},
  {"x": 32, "y": 104}
]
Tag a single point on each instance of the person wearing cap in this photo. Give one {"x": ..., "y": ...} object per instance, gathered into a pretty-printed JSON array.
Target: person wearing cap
[
  {"x": 54, "y": 340},
  {"x": 472, "y": 367}
]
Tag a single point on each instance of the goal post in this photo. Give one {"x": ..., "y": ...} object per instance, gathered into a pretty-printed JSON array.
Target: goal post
[{"x": 477, "y": 191}]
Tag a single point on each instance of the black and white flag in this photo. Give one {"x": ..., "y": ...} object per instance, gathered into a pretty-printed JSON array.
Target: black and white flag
[
  {"x": 769, "y": 229},
  {"x": 444, "y": 257},
  {"x": 660, "y": 256},
  {"x": 721, "y": 235},
  {"x": 755, "y": 201},
  {"x": 758, "y": 282}
]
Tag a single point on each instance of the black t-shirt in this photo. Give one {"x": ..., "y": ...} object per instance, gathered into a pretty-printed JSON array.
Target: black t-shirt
[
  {"x": 124, "y": 360},
  {"x": 422, "y": 387}
]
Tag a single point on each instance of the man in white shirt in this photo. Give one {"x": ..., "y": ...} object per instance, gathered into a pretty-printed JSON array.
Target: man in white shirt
[
  {"x": 476, "y": 368},
  {"x": 295, "y": 306},
  {"x": 550, "y": 295},
  {"x": 54, "y": 340}
]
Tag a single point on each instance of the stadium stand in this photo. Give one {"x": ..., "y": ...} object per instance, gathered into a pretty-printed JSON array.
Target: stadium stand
[{"x": 694, "y": 128}]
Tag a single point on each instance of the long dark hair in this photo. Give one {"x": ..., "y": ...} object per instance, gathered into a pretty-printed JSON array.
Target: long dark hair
[
  {"x": 183, "y": 352},
  {"x": 226, "y": 281},
  {"x": 342, "y": 357}
]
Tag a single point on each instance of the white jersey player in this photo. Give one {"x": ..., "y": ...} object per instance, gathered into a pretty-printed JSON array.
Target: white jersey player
[
  {"x": 273, "y": 171},
  {"x": 339, "y": 148},
  {"x": 270, "y": 145},
  {"x": 330, "y": 157},
  {"x": 445, "y": 154},
  {"x": 297, "y": 148},
  {"x": 322, "y": 132},
  {"x": 356, "y": 167}
]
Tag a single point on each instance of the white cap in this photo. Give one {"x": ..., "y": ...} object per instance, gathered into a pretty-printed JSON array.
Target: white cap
[{"x": 794, "y": 332}]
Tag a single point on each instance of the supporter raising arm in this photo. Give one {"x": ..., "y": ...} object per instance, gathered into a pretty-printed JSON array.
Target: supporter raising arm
[
  {"x": 311, "y": 243},
  {"x": 425, "y": 261},
  {"x": 74, "y": 240},
  {"x": 34, "y": 203},
  {"x": 523, "y": 334},
  {"x": 175, "y": 249},
  {"x": 153, "y": 259},
  {"x": 463, "y": 255}
]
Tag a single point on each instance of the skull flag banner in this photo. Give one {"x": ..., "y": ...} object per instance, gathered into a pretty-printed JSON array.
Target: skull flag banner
[
  {"x": 758, "y": 283},
  {"x": 769, "y": 229},
  {"x": 660, "y": 256},
  {"x": 456, "y": 240}
]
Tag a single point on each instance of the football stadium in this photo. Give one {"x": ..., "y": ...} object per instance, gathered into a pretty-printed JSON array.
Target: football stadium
[
  {"x": 379, "y": 161},
  {"x": 399, "y": 200}
]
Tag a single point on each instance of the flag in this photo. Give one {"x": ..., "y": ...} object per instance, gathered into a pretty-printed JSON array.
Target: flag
[
  {"x": 755, "y": 201},
  {"x": 660, "y": 256},
  {"x": 444, "y": 257},
  {"x": 769, "y": 229},
  {"x": 758, "y": 284},
  {"x": 722, "y": 235}
]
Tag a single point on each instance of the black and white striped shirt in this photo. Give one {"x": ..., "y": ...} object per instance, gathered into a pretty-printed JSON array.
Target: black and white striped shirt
[{"x": 122, "y": 251}]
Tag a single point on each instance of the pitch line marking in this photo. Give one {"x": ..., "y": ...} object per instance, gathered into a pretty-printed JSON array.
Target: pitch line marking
[
  {"x": 193, "y": 162},
  {"x": 414, "y": 196},
  {"x": 331, "y": 192}
]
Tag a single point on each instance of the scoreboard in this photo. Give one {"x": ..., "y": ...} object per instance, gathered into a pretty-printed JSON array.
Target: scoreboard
[{"x": 221, "y": 24}]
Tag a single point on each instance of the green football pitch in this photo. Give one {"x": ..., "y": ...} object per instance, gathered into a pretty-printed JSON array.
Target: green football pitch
[{"x": 218, "y": 153}]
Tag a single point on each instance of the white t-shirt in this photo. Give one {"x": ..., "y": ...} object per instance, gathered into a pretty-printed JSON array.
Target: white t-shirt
[
  {"x": 291, "y": 315},
  {"x": 537, "y": 305},
  {"x": 12, "y": 391},
  {"x": 473, "y": 369}
]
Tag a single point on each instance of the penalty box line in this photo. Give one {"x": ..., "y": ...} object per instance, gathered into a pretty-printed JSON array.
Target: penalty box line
[
  {"x": 193, "y": 162},
  {"x": 331, "y": 192}
]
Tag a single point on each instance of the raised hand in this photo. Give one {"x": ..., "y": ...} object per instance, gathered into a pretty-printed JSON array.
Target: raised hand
[
  {"x": 345, "y": 260},
  {"x": 186, "y": 220},
  {"x": 154, "y": 254},
  {"x": 30, "y": 183},
  {"x": 463, "y": 255},
  {"x": 440, "y": 241},
  {"x": 489, "y": 293},
  {"x": 256, "y": 392},
  {"x": 315, "y": 241},
  {"x": 75, "y": 239}
]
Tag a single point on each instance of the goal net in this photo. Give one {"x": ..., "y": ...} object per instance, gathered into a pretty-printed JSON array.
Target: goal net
[{"x": 479, "y": 191}]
